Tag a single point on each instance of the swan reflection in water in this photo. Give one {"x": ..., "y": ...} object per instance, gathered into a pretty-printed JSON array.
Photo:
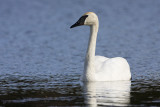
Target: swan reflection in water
[{"x": 116, "y": 93}]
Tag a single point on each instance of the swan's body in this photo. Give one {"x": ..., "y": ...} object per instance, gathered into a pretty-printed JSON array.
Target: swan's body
[{"x": 99, "y": 68}]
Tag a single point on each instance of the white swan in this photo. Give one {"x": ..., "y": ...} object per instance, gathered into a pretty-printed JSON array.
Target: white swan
[{"x": 100, "y": 68}]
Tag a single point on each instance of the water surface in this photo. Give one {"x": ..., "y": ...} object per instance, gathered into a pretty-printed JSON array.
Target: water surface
[{"x": 41, "y": 58}]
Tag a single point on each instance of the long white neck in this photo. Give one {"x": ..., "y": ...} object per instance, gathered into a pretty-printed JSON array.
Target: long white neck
[
  {"x": 89, "y": 70},
  {"x": 92, "y": 43}
]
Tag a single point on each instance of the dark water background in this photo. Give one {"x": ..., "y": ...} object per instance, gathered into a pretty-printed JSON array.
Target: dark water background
[{"x": 41, "y": 58}]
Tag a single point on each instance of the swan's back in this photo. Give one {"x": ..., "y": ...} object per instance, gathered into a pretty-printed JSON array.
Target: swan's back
[
  {"x": 110, "y": 69},
  {"x": 98, "y": 62}
]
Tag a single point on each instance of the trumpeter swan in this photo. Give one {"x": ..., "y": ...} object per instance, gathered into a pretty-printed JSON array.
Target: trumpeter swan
[{"x": 100, "y": 68}]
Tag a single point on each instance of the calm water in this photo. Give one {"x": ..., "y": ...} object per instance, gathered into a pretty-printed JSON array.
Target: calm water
[{"x": 41, "y": 58}]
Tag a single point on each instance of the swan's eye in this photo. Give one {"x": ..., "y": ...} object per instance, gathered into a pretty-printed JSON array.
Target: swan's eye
[{"x": 82, "y": 19}]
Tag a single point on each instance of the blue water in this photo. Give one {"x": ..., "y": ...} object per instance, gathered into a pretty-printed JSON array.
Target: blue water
[{"x": 41, "y": 58}]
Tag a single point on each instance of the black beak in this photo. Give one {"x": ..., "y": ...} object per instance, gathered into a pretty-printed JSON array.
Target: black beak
[
  {"x": 75, "y": 25},
  {"x": 80, "y": 21}
]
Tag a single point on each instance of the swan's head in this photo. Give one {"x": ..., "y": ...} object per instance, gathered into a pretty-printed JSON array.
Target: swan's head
[{"x": 89, "y": 18}]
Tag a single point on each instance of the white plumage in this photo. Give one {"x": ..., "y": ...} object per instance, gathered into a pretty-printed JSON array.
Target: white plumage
[{"x": 100, "y": 68}]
